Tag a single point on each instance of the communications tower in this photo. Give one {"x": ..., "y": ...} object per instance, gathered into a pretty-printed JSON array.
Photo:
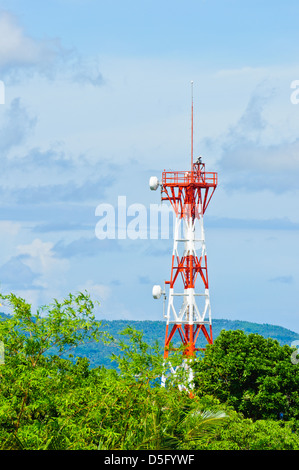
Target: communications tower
[{"x": 188, "y": 311}]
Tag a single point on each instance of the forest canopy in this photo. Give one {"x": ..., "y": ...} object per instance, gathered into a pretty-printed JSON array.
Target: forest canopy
[{"x": 245, "y": 394}]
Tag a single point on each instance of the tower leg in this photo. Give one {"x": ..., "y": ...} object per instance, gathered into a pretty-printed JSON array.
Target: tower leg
[{"x": 185, "y": 323}]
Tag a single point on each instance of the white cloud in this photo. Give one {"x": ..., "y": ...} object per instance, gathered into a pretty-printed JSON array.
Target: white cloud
[
  {"x": 253, "y": 157},
  {"x": 96, "y": 291},
  {"x": 40, "y": 258},
  {"x": 20, "y": 53},
  {"x": 9, "y": 228},
  {"x": 16, "y": 274},
  {"x": 9, "y": 233},
  {"x": 16, "y": 127},
  {"x": 19, "y": 49}
]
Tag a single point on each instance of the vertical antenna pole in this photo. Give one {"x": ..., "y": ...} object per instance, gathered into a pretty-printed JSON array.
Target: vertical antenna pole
[{"x": 192, "y": 129}]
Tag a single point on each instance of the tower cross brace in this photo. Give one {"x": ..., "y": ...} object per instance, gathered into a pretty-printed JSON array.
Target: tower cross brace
[{"x": 188, "y": 311}]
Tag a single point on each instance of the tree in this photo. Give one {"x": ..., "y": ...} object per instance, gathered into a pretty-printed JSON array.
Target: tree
[
  {"x": 166, "y": 418},
  {"x": 62, "y": 325},
  {"x": 29, "y": 376},
  {"x": 238, "y": 433},
  {"x": 51, "y": 401},
  {"x": 253, "y": 374}
]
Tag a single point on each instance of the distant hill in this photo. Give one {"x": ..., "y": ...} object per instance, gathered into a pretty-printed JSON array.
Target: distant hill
[{"x": 99, "y": 354}]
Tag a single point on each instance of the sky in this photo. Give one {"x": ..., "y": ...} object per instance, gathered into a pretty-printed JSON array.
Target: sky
[{"x": 97, "y": 100}]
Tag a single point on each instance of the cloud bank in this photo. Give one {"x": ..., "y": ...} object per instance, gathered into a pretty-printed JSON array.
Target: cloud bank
[
  {"x": 251, "y": 158},
  {"x": 22, "y": 55}
]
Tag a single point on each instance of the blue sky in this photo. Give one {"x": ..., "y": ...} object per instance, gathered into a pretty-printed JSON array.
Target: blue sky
[{"x": 97, "y": 99}]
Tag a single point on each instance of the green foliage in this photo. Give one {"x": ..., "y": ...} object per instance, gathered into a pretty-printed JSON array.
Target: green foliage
[
  {"x": 29, "y": 377},
  {"x": 51, "y": 401},
  {"x": 238, "y": 433},
  {"x": 138, "y": 360},
  {"x": 61, "y": 326},
  {"x": 99, "y": 354},
  {"x": 253, "y": 374}
]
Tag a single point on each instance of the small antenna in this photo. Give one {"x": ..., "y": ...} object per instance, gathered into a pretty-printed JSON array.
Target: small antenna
[{"x": 191, "y": 126}]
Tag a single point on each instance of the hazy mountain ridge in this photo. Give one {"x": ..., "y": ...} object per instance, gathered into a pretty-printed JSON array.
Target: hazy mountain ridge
[{"x": 100, "y": 353}]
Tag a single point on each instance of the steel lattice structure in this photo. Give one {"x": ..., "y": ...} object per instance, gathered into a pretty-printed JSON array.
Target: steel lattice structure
[
  {"x": 188, "y": 311},
  {"x": 189, "y": 194}
]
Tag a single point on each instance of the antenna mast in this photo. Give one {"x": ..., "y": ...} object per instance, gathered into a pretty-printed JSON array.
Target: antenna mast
[
  {"x": 191, "y": 127},
  {"x": 188, "y": 311}
]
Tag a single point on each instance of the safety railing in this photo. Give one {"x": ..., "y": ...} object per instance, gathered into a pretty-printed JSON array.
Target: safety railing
[{"x": 186, "y": 177}]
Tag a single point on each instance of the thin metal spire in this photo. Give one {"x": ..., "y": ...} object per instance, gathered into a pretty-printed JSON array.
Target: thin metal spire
[{"x": 191, "y": 126}]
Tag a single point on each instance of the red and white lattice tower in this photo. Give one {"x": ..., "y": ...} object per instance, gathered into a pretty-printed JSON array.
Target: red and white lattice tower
[{"x": 188, "y": 312}]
